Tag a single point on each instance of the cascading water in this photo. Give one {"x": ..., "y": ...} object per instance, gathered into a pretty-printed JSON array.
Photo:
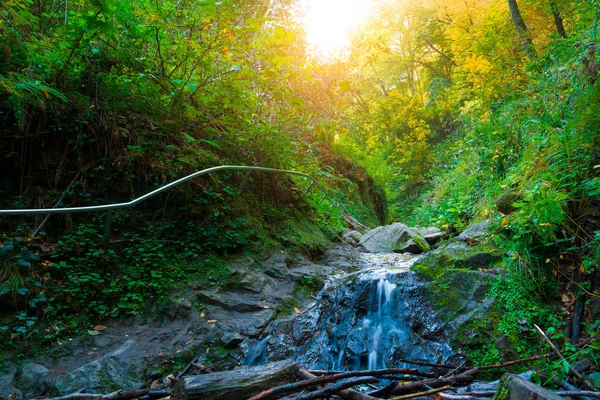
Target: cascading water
[{"x": 359, "y": 321}]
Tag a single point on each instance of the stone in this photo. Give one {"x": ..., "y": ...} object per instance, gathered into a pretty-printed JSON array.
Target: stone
[
  {"x": 35, "y": 380},
  {"x": 232, "y": 301},
  {"x": 119, "y": 369},
  {"x": 396, "y": 237},
  {"x": 513, "y": 387},
  {"x": 352, "y": 237},
  {"x": 504, "y": 203},
  {"x": 231, "y": 339},
  {"x": 431, "y": 234},
  {"x": 475, "y": 232},
  {"x": 7, "y": 388},
  {"x": 458, "y": 254},
  {"x": 490, "y": 386}
]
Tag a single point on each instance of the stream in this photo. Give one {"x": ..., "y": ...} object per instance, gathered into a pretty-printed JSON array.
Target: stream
[{"x": 361, "y": 320}]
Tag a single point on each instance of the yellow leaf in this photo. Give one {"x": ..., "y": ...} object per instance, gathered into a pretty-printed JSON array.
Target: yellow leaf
[
  {"x": 211, "y": 321},
  {"x": 202, "y": 314},
  {"x": 99, "y": 328},
  {"x": 297, "y": 311},
  {"x": 178, "y": 351}
]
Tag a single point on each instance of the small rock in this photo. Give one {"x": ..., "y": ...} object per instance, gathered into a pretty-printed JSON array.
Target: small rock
[
  {"x": 34, "y": 380},
  {"x": 231, "y": 339},
  {"x": 431, "y": 234},
  {"x": 352, "y": 237},
  {"x": 513, "y": 387},
  {"x": 476, "y": 231},
  {"x": 504, "y": 203}
]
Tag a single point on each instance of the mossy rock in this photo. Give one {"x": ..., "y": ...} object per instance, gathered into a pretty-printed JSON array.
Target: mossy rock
[
  {"x": 456, "y": 254},
  {"x": 505, "y": 203}
]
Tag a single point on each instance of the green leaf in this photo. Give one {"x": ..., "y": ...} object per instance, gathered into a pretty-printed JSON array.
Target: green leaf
[{"x": 595, "y": 378}]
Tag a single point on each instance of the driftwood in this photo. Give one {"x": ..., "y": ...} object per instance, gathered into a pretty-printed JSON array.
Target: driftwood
[{"x": 238, "y": 384}]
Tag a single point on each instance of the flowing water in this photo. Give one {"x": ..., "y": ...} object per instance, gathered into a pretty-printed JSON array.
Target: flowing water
[{"x": 363, "y": 320}]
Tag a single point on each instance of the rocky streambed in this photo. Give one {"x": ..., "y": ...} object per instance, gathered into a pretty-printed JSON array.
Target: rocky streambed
[{"x": 350, "y": 310}]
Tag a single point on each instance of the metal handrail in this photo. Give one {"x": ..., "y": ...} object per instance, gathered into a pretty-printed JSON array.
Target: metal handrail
[{"x": 109, "y": 207}]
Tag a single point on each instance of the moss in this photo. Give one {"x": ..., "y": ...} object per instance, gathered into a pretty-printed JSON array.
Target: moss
[
  {"x": 306, "y": 287},
  {"x": 502, "y": 393}
]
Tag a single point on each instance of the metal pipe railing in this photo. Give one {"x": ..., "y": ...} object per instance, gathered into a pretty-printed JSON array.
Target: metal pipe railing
[{"x": 132, "y": 203}]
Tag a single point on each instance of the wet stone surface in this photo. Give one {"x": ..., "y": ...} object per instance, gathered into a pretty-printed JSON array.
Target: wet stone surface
[{"x": 360, "y": 320}]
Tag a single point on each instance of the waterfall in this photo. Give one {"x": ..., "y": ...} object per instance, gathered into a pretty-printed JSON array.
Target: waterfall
[{"x": 360, "y": 321}]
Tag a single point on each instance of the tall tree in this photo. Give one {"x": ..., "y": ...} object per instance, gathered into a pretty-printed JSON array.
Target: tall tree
[
  {"x": 558, "y": 21},
  {"x": 515, "y": 13}
]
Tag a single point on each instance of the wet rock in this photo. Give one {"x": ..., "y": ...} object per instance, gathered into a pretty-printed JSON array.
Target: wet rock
[
  {"x": 34, "y": 380},
  {"x": 475, "y": 232},
  {"x": 231, "y": 301},
  {"x": 120, "y": 369},
  {"x": 178, "y": 308},
  {"x": 248, "y": 273},
  {"x": 396, "y": 237},
  {"x": 513, "y": 387},
  {"x": 7, "y": 388},
  {"x": 277, "y": 265},
  {"x": 231, "y": 339}
]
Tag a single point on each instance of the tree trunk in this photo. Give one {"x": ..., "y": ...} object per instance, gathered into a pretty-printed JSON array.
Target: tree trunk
[
  {"x": 558, "y": 21},
  {"x": 515, "y": 13}
]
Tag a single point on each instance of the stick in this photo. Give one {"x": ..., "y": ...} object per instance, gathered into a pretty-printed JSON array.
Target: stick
[
  {"x": 346, "y": 394},
  {"x": 467, "y": 396},
  {"x": 425, "y": 393},
  {"x": 559, "y": 354},
  {"x": 574, "y": 393},
  {"x": 118, "y": 395},
  {"x": 464, "y": 378},
  {"x": 333, "y": 389},
  {"x": 376, "y": 372},
  {"x": 426, "y": 364}
]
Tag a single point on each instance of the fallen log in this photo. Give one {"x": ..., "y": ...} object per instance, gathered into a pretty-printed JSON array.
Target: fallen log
[{"x": 238, "y": 384}]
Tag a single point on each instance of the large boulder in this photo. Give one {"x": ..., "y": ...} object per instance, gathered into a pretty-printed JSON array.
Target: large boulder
[
  {"x": 119, "y": 369},
  {"x": 396, "y": 237}
]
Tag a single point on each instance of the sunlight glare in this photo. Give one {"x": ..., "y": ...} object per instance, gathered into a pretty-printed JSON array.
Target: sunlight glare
[{"x": 328, "y": 23}]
